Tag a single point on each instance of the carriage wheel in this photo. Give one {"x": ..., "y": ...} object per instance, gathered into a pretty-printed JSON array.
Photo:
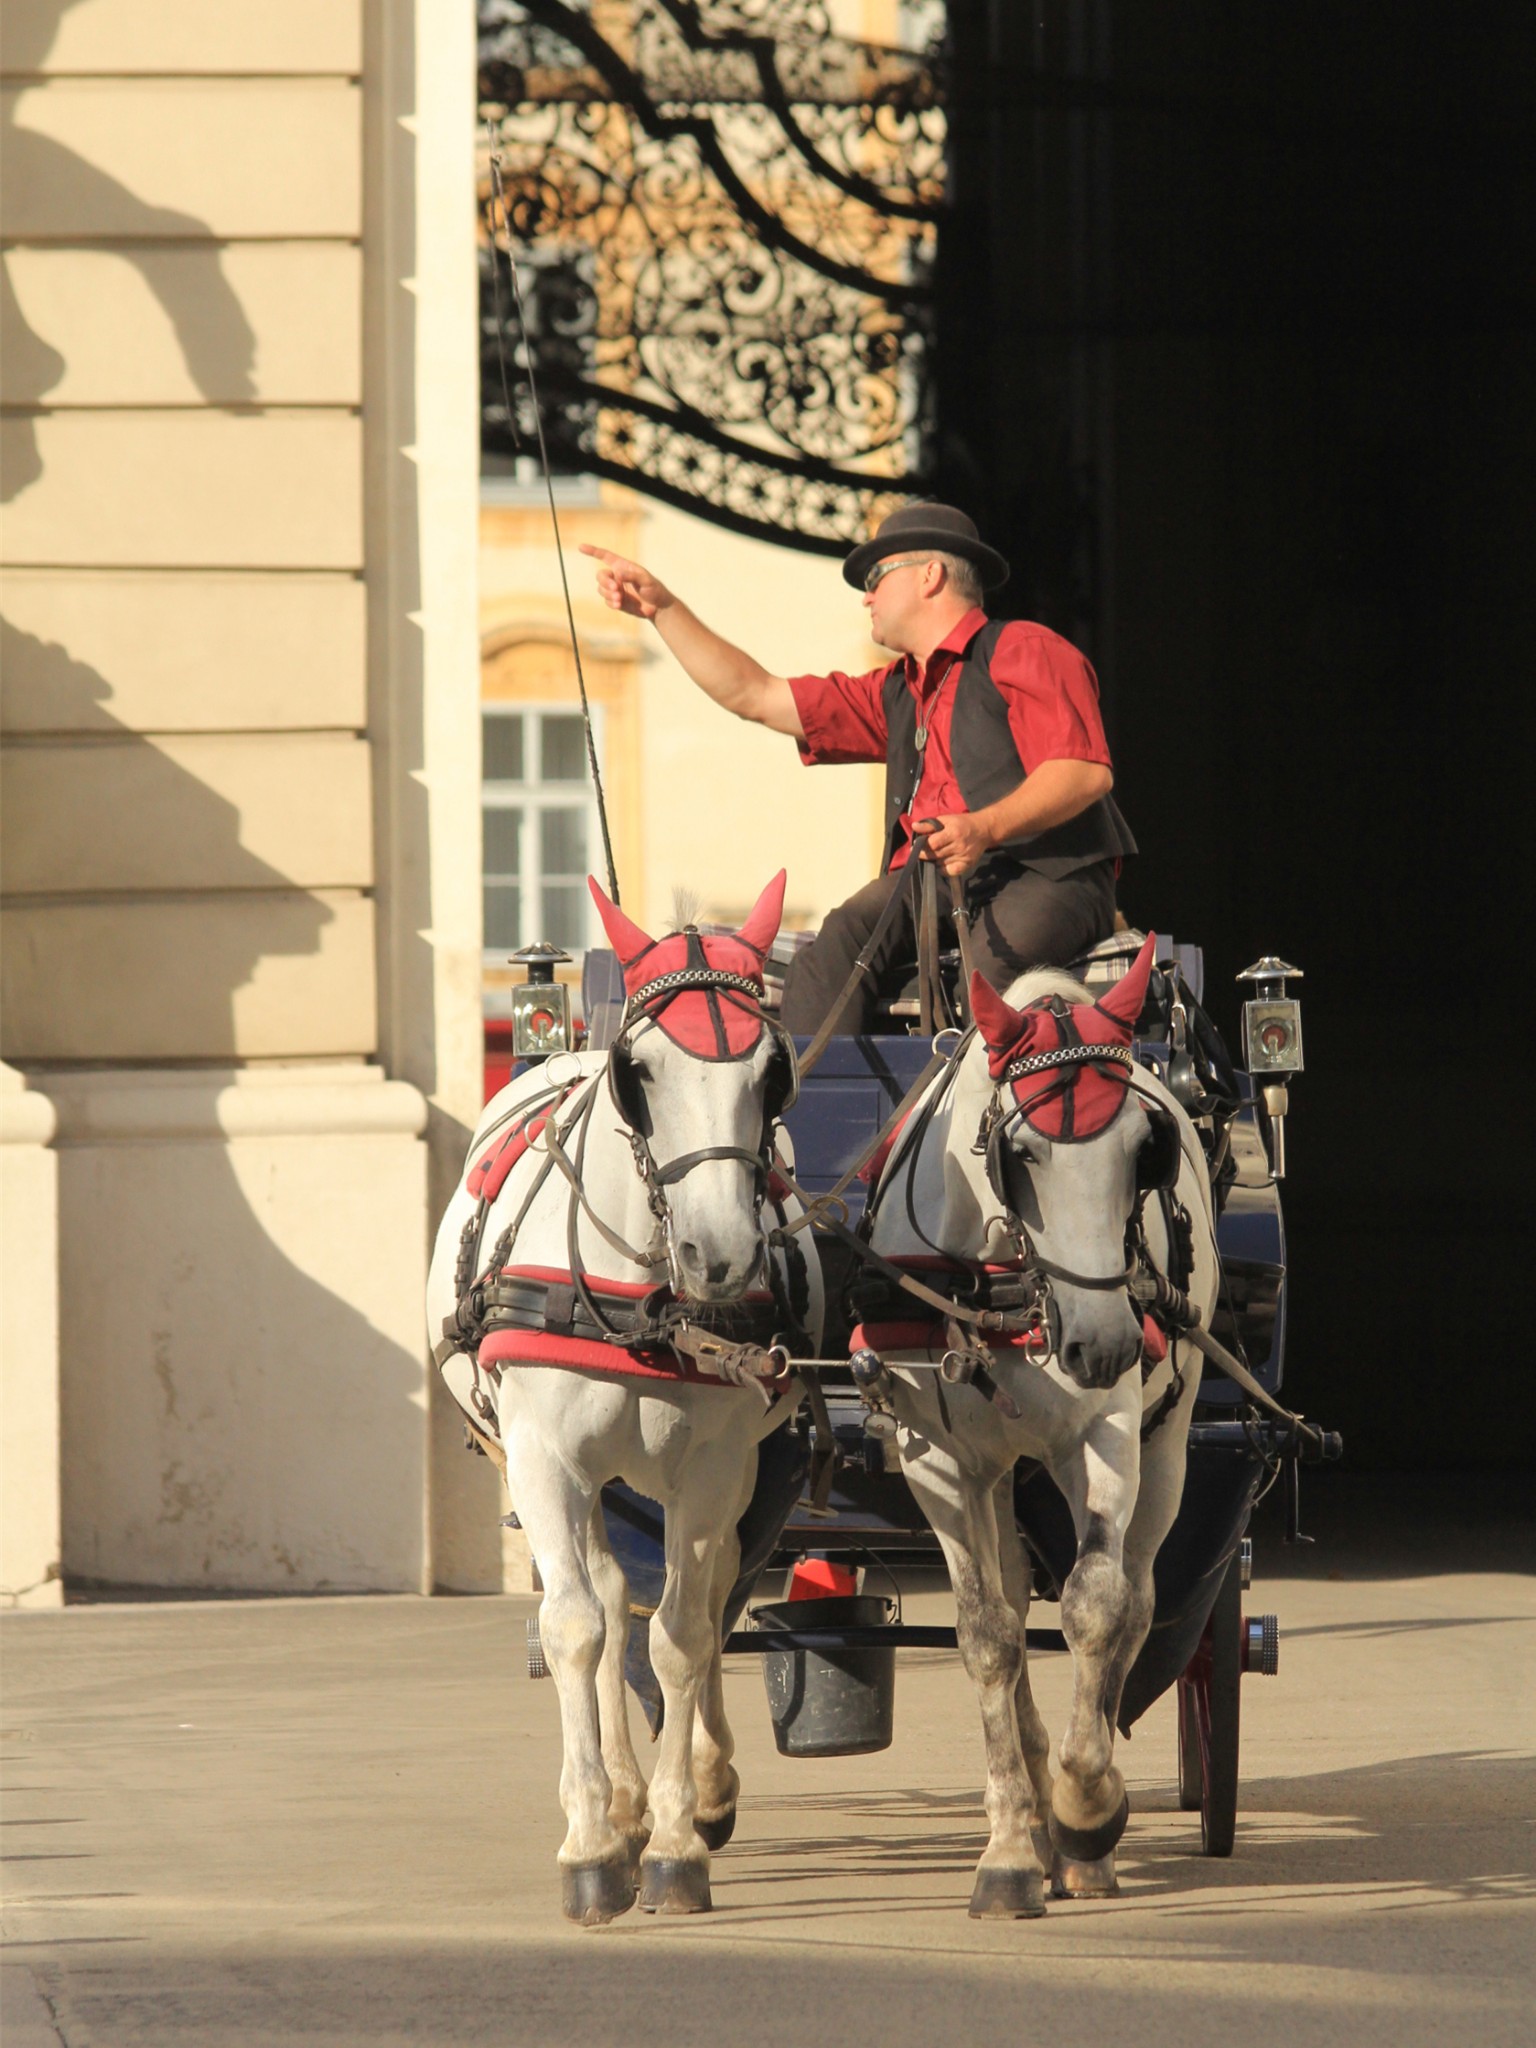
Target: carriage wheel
[
  {"x": 1209, "y": 1693},
  {"x": 1189, "y": 1748}
]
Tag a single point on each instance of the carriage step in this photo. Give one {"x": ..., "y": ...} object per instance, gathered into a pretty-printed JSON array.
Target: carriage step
[
  {"x": 1261, "y": 1644},
  {"x": 893, "y": 1635},
  {"x": 537, "y": 1668}
]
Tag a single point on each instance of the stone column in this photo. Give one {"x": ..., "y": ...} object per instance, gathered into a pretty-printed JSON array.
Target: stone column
[{"x": 29, "y": 1349}]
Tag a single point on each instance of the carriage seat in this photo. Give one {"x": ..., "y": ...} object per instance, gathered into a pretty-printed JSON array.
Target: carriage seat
[
  {"x": 898, "y": 1005},
  {"x": 1099, "y": 968}
]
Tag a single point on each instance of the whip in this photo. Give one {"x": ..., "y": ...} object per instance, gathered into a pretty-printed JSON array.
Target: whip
[{"x": 499, "y": 207}]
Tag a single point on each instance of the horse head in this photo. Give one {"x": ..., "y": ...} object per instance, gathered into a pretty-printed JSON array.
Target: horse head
[
  {"x": 1069, "y": 1150},
  {"x": 698, "y": 1075}
]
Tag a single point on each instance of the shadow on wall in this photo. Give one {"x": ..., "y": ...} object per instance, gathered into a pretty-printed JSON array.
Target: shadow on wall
[
  {"x": 227, "y": 1419},
  {"x": 185, "y": 274},
  {"x": 243, "y": 1387}
]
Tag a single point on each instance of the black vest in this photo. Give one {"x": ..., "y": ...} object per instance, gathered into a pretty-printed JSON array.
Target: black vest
[{"x": 987, "y": 767}]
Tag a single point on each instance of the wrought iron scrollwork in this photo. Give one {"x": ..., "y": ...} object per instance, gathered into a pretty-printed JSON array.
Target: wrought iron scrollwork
[{"x": 725, "y": 219}]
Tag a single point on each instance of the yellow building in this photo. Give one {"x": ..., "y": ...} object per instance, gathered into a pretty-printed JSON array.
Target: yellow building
[
  {"x": 713, "y": 280},
  {"x": 697, "y": 800}
]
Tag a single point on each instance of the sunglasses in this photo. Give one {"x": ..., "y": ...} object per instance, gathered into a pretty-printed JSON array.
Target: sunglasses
[{"x": 884, "y": 569}]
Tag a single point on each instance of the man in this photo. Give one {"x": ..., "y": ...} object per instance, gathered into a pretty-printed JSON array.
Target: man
[{"x": 993, "y": 744}]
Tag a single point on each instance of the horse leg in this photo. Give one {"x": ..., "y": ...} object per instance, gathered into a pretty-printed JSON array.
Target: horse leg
[
  {"x": 1010, "y": 1883},
  {"x": 1034, "y": 1738},
  {"x": 627, "y": 1801},
  {"x": 674, "y": 1870},
  {"x": 715, "y": 1779},
  {"x": 1089, "y": 1807},
  {"x": 595, "y": 1871},
  {"x": 1159, "y": 1490}
]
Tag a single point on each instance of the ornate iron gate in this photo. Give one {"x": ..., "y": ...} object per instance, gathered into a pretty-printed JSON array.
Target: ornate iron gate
[{"x": 725, "y": 219}]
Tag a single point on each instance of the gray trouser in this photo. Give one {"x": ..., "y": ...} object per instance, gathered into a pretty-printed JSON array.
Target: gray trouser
[{"x": 1028, "y": 920}]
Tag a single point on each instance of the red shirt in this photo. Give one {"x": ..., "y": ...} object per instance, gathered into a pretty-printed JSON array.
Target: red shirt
[{"x": 1051, "y": 692}]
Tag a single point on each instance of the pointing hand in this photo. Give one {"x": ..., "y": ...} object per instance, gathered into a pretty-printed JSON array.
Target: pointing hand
[{"x": 626, "y": 587}]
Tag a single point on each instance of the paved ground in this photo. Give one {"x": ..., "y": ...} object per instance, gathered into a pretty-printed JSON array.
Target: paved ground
[{"x": 334, "y": 1822}]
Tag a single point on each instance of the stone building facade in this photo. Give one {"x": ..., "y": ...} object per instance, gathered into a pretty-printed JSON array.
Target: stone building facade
[{"x": 241, "y": 788}]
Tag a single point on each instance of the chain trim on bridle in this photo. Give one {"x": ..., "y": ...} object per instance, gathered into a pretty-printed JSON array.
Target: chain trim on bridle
[
  {"x": 683, "y": 979},
  {"x": 1065, "y": 1056}
]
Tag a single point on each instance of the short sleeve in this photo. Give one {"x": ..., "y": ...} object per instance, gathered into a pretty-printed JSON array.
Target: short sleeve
[
  {"x": 843, "y": 717},
  {"x": 1052, "y": 695}
]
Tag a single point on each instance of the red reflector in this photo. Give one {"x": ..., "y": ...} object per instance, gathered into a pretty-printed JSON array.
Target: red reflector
[{"x": 818, "y": 1578}]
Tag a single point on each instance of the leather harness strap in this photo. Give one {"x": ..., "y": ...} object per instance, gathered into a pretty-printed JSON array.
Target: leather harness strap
[{"x": 819, "y": 1043}]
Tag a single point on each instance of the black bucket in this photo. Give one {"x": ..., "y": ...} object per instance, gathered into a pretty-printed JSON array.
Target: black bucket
[{"x": 832, "y": 1702}]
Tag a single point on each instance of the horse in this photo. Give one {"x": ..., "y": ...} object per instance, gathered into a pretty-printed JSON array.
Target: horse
[
  {"x": 1048, "y": 1174},
  {"x": 619, "y": 1328}
]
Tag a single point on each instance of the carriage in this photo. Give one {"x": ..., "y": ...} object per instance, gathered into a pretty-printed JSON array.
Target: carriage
[{"x": 829, "y": 1489}]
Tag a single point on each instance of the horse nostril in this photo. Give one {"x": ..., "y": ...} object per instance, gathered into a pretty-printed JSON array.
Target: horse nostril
[{"x": 717, "y": 1270}]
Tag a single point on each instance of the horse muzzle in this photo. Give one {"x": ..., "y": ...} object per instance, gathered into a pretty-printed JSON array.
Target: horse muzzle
[
  {"x": 709, "y": 1276},
  {"x": 1100, "y": 1341}
]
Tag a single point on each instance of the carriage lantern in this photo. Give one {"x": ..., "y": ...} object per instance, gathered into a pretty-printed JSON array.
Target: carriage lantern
[
  {"x": 1272, "y": 1044},
  {"x": 541, "y": 1006}
]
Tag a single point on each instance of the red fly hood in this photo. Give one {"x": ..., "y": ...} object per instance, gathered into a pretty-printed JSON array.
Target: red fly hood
[
  {"x": 720, "y": 1020},
  {"x": 1062, "y": 1090}
]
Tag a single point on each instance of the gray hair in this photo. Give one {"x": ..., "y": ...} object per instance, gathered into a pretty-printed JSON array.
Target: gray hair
[{"x": 963, "y": 575}]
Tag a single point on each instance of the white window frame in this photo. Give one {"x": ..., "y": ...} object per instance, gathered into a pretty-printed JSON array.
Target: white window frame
[{"x": 533, "y": 796}]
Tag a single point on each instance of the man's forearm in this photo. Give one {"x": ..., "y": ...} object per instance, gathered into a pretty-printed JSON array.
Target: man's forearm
[
  {"x": 726, "y": 672},
  {"x": 723, "y": 671},
  {"x": 1055, "y": 792}
]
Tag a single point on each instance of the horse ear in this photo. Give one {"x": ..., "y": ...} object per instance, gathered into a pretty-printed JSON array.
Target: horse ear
[
  {"x": 624, "y": 935},
  {"x": 1001, "y": 1026},
  {"x": 1125, "y": 999},
  {"x": 761, "y": 928}
]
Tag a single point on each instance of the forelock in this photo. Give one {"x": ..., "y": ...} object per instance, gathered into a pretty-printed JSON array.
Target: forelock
[{"x": 1039, "y": 982}]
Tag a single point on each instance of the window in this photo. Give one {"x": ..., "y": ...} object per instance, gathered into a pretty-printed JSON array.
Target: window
[{"x": 539, "y": 827}]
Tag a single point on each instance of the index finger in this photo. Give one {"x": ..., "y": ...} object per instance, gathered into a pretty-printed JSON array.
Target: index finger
[{"x": 602, "y": 554}]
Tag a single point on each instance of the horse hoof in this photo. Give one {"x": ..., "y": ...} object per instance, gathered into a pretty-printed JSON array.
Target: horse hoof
[
  {"x": 595, "y": 1893},
  {"x": 1075, "y": 1877},
  {"x": 1089, "y": 1845},
  {"x": 674, "y": 1884},
  {"x": 1008, "y": 1895},
  {"x": 714, "y": 1834}
]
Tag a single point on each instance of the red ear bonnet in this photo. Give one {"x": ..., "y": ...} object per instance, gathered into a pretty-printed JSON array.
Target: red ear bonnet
[
  {"x": 1003, "y": 1029},
  {"x": 1065, "y": 1102},
  {"x": 624, "y": 935},
  {"x": 762, "y": 927},
  {"x": 714, "y": 1023},
  {"x": 1125, "y": 999}
]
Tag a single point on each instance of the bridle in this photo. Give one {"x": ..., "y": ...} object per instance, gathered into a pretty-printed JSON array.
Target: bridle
[
  {"x": 1019, "y": 1299},
  {"x": 646, "y": 1006},
  {"x": 1001, "y": 1116},
  {"x": 665, "y": 1316}
]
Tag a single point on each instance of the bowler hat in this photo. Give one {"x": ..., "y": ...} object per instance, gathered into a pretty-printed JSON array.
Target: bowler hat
[{"x": 942, "y": 528}]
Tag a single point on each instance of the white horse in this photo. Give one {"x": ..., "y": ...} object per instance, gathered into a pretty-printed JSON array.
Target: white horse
[
  {"x": 611, "y": 1214},
  {"x": 1038, "y": 1159}
]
